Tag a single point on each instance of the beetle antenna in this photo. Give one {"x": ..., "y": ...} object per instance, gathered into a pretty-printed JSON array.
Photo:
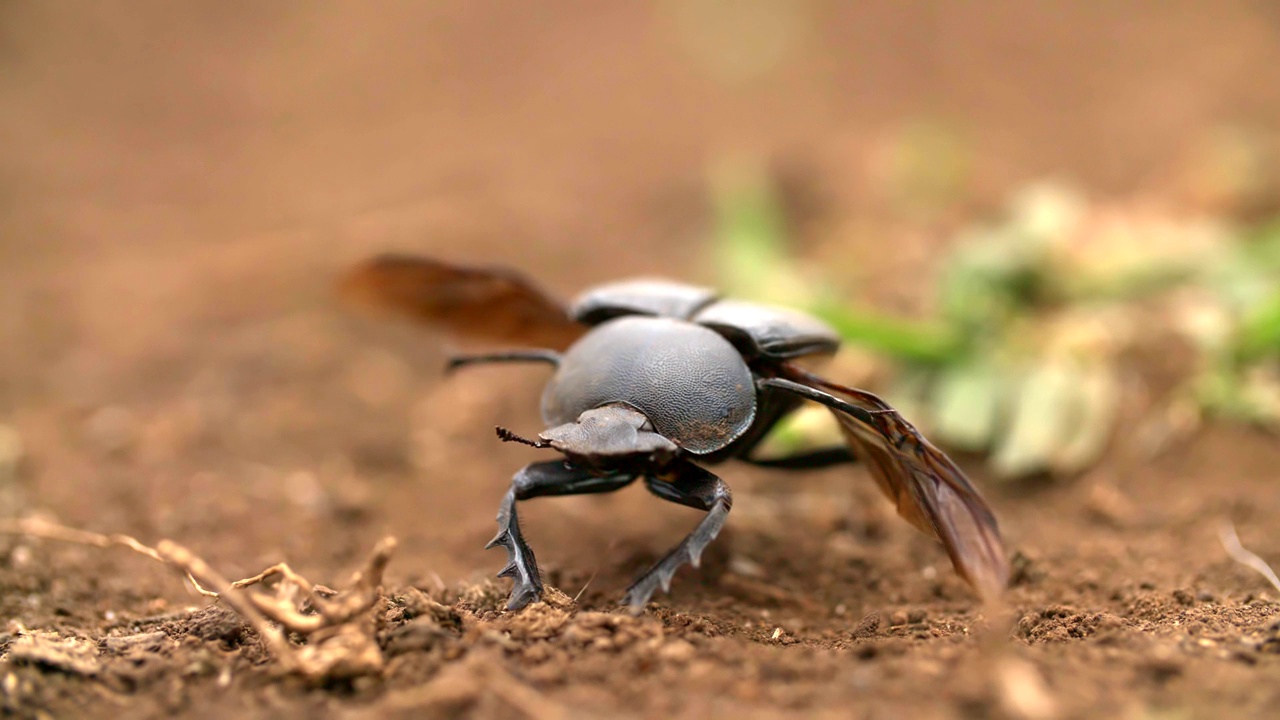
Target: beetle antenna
[{"x": 506, "y": 435}]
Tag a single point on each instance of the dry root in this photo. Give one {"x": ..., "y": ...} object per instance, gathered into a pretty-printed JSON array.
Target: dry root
[
  {"x": 338, "y": 629},
  {"x": 1238, "y": 552}
]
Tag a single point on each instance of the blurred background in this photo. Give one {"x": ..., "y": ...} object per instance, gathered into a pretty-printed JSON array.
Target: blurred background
[{"x": 1045, "y": 228}]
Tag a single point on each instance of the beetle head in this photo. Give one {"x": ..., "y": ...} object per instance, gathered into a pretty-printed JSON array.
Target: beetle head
[{"x": 608, "y": 435}]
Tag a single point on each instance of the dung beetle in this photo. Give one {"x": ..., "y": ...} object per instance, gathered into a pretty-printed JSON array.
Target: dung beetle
[{"x": 655, "y": 379}]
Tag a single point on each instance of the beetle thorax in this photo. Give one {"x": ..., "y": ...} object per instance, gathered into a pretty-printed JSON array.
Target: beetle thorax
[{"x": 690, "y": 382}]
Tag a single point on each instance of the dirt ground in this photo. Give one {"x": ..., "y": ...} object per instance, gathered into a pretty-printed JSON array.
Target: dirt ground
[{"x": 180, "y": 186}]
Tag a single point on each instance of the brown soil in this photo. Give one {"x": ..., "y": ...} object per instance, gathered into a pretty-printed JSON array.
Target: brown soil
[{"x": 179, "y": 187}]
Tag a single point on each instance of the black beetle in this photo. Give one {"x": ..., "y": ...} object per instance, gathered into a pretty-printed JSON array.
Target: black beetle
[{"x": 660, "y": 378}]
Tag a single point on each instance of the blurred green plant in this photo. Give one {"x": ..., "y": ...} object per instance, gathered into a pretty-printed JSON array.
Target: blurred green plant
[
  {"x": 1022, "y": 361},
  {"x": 1235, "y": 323},
  {"x": 754, "y": 260}
]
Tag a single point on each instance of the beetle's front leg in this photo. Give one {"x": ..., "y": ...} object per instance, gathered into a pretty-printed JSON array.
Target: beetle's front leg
[
  {"x": 694, "y": 487},
  {"x": 537, "y": 480}
]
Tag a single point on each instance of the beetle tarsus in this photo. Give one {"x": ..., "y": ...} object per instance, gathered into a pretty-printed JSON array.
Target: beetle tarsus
[
  {"x": 696, "y": 488},
  {"x": 537, "y": 480}
]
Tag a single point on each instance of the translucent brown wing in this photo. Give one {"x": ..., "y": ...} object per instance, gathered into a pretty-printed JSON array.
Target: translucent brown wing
[
  {"x": 492, "y": 304},
  {"x": 929, "y": 489}
]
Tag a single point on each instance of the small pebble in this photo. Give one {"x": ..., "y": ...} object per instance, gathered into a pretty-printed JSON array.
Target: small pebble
[
  {"x": 20, "y": 557},
  {"x": 113, "y": 429},
  {"x": 868, "y": 627},
  {"x": 678, "y": 651},
  {"x": 1163, "y": 664},
  {"x": 10, "y": 451},
  {"x": 151, "y": 642},
  {"x": 745, "y": 566}
]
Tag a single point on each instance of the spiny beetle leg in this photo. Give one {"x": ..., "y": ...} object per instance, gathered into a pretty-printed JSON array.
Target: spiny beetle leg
[
  {"x": 696, "y": 488},
  {"x": 537, "y": 480},
  {"x": 521, "y": 567}
]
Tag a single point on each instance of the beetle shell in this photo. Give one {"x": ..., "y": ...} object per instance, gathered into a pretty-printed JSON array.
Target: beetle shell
[
  {"x": 657, "y": 298},
  {"x": 769, "y": 331},
  {"x": 690, "y": 382}
]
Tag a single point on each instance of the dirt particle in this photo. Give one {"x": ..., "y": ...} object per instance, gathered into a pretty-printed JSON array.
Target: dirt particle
[
  {"x": 212, "y": 624},
  {"x": 868, "y": 626},
  {"x": 11, "y": 453},
  {"x": 20, "y": 557},
  {"x": 1271, "y": 640},
  {"x": 695, "y": 624},
  {"x": 414, "y": 604},
  {"x": 112, "y": 430},
  {"x": 342, "y": 654},
  {"x": 1025, "y": 570},
  {"x": 417, "y": 635},
  {"x": 143, "y": 642},
  {"x": 48, "y": 651},
  {"x": 1245, "y": 655},
  {"x": 1023, "y": 692},
  {"x": 1107, "y": 505},
  {"x": 1163, "y": 664},
  {"x": 677, "y": 651},
  {"x": 540, "y": 620},
  {"x": 484, "y": 599},
  {"x": 1059, "y": 623},
  {"x": 745, "y": 566}
]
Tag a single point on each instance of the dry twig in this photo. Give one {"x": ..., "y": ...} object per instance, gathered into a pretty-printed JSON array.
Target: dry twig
[
  {"x": 182, "y": 558},
  {"x": 36, "y": 527},
  {"x": 338, "y": 649}
]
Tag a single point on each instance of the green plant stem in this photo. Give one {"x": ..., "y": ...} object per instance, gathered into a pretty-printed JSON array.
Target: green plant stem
[
  {"x": 1130, "y": 285},
  {"x": 1260, "y": 331},
  {"x": 920, "y": 341}
]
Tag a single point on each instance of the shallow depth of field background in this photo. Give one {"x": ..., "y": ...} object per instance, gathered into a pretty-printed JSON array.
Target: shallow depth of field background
[{"x": 181, "y": 182}]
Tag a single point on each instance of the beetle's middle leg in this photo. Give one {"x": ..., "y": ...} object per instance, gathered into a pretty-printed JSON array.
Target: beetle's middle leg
[
  {"x": 538, "y": 480},
  {"x": 807, "y": 460},
  {"x": 694, "y": 487},
  {"x": 550, "y": 357}
]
